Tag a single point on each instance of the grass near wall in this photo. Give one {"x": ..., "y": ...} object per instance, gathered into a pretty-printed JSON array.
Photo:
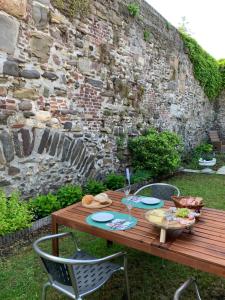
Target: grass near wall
[{"x": 21, "y": 277}]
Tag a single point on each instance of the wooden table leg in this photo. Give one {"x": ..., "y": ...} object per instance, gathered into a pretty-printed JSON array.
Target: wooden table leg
[
  {"x": 55, "y": 242},
  {"x": 162, "y": 235}
]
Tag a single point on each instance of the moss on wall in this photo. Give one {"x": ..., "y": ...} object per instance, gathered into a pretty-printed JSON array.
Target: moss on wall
[{"x": 71, "y": 8}]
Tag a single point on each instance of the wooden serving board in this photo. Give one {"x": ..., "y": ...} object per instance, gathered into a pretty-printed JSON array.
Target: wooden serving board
[
  {"x": 166, "y": 225},
  {"x": 97, "y": 204}
]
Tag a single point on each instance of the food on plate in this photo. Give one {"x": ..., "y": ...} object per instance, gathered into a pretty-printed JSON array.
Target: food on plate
[
  {"x": 102, "y": 198},
  {"x": 182, "y": 212},
  {"x": 157, "y": 216},
  {"x": 97, "y": 201},
  {"x": 191, "y": 201},
  {"x": 87, "y": 199}
]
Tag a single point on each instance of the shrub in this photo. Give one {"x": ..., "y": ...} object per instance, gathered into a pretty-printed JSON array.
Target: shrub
[
  {"x": 133, "y": 9},
  {"x": 222, "y": 71},
  {"x": 114, "y": 181},
  {"x": 141, "y": 175},
  {"x": 203, "y": 149},
  {"x": 44, "y": 205},
  {"x": 69, "y": 194},
  {"x": 71, "y": 8},
  {"x": 157, "y": 152},
  {"x": 14, "y": 214},
  {"x": 206, "y": 68},
  {"x": 94, "y": 187},
  {"x": 146, "y": 35}
]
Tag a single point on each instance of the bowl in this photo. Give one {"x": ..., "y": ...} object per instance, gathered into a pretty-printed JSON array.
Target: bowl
[{"x": 177, "y": 202}]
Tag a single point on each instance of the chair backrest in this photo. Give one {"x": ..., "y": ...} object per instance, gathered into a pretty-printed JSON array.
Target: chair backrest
[
  {"x": 184, "y": 286},
  {"x": 161, "y": 191},
  {"x": 58, "y": 269}
]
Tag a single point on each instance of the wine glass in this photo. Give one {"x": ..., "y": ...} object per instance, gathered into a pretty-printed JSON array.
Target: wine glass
[{"x": 128, "y": 199}]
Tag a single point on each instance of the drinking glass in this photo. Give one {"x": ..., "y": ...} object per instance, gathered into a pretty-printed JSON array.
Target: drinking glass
[{"x": 128, "y": 200}]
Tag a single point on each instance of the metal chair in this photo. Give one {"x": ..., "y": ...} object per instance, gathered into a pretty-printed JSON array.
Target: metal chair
[
  {"x": 80, "y": 275},
  {"x": 184, "y": 286},
  {"x": 161, "y": 191}
]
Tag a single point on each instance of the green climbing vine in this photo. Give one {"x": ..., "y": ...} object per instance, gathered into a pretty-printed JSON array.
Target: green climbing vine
[
  {"x": 206, "y": 68},
  {"x": 71, "y": 8},
  {"x": 222, "y": 71}
]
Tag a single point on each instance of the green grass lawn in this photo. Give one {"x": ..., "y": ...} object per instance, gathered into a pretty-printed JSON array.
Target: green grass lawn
[{"x": 21, "y": 276}]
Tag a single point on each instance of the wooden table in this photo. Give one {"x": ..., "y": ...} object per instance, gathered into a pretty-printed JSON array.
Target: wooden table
[{"x": 203, "y": 248}]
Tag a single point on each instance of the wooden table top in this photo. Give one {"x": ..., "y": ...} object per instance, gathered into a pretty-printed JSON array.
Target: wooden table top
[{"x": 203, "y": 248}]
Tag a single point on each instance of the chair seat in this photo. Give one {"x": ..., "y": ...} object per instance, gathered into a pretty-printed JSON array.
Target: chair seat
[{"x": 90, "y": 277}]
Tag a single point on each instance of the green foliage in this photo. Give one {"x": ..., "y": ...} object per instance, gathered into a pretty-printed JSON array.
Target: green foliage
[
  {"x": 71, "y": 8},
  {"x": 114, "y": 181},
  {"x": 203, "y": 148},
  {"x": 14, "y": 214},
  {"x": 206, "y": 68},
  {"x": 157, "y": 152},
  {"x": 222, "y": 71},
  {"x": 146, "y": 35},
  {"x": 44, "y": 205},
  {"x": 141, "y": 175},
  {"x": 94, "y": 187},
  {"x": 69, "y": 194},
  {"x": 133, "y": 9}
]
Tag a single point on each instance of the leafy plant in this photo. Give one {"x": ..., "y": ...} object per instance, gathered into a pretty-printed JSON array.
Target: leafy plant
[
  {"x": 133, "y": 9},
  {"x": 222, "y": 71},
  {"x": 14, "y": 214},
  {"x": 69, "y": 194},
  {"x": 94, "y": 187},
  {"x": 71, "y": 8},
  {"x": 206, "y": 68},
  {"x": 114, "y": 181},
  {"x": 146, "y": 35},
  {"x": 44, "y": 205},
  {"x": 141, "y": 176},
  {"x": 157, "y": 152}
]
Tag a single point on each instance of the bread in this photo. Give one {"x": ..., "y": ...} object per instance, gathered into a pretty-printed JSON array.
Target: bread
[
  {"x": 102, "y": 198},
  {"x": 87, "y": 199}
]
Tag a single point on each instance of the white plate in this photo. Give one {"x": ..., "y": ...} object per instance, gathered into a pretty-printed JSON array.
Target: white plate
[
  {"x": 102, "y": 217},
  {"x": 150, "y": 200}
]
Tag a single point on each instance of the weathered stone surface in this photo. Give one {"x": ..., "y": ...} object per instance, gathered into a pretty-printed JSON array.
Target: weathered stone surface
[
  {"x": 28, "y": 114},
  {"x": 4, "y": 183},
  {"x": 44, "y": 141},
  {"x": 11, "y": 68},
  {"x": 17, "y": 144},
  {"x": 67, "y": 125},
  {"x": 94, "y": 82},
  {"x": 31, "y": 94},
  {"x": 16, "y": 8},
  {"x": 49, "y": 75},
  {"x": 28, "y": 141},
  {"x": 66, "y": 146},
  {"x": 54, "y": 144},
  {"x": 3, "y": 118},
  {"x": 40, "y": 45},
  {"x": 3, "y": 91},
  {"x": 12, "y": 171},
  {"x": 25, "y": 105},
  {"x": 40, "y": 15},
  {"x": 84, "y": 65},
  {"x": 9, "y": 28},
  {"x": 8, "y": 147},
  {"x": 30, "y": 74},
  {"x": 2, "y": 157},
  {"x": 43, "y": 116}
]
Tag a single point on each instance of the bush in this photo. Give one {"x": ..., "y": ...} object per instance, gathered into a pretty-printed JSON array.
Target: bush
[
  {"x": 206, "y": 68},
  {"x": 69, "y": 194},
  {"x": 222, "y": 71},
  {"x": 14, "y": 214},
  {"x": 114, "y": 181},
  {"x": 44, "y": 205},
  {"x": 94, "y": 187},
  {"x": 157, "y": 152},
  {"x": 203, "y": 150},
  {"x": 140, "y": 176}
]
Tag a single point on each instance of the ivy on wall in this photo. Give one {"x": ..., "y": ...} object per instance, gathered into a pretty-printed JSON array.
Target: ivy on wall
[
  {"x": 222, "y": 71},
  {"x": 71, "y": 8},
  {"x": 206, "y": 68}
]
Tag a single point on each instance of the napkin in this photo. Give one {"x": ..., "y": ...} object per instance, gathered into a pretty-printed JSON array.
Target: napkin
[{"x": 119, "y": 224}]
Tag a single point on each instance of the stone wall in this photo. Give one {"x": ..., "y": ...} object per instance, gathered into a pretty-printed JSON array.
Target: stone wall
[
  {"x": 72, "y": 91},
  {"x": 220, "y": 115}
]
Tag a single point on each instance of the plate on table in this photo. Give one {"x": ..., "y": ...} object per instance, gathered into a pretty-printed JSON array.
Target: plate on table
[
  {"x": 150, "y": 200},
  {"x": 102, "y": 217}
]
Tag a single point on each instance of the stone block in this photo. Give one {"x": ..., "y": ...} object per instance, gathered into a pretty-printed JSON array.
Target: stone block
[
  {"x": 96, "y": 83},
  {"x": 25, "y": 105},
  {"x": 40, "y": 14},
  {"x": 43, "y": 116},
  {"x": 50, "y": 75},
  {"x": 30, "y": 74},
  {"x": 44, "y": 140},
  {"x": 8, "y": 33},
  {"x": 16, "y": 8},
  {"x": 7, "y": 144},
  {"x": 31, "y": 94},
  {"x": 84, "y": 65},
  {"x": 3, "y": 91},
  {"x": 12, "y": 171},
  {"x": 11, "y": 68},
  {"x": 40, "y": 45}
]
